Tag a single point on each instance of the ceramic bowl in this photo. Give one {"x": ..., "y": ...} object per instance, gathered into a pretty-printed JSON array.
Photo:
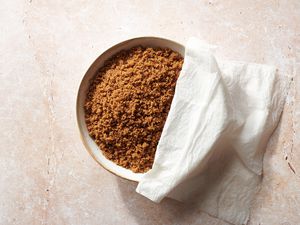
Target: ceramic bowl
[{"x": 89, "y": 143}]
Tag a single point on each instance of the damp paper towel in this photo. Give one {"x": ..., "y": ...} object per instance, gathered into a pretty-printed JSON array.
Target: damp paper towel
[{"x": 210, "y": 153}]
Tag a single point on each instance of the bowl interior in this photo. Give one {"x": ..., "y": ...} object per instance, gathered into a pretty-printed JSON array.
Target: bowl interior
[{"x": 89, "y": 143}]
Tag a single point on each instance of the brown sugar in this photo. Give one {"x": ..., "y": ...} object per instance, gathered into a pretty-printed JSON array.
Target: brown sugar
[{"x": 128, "y": 102}]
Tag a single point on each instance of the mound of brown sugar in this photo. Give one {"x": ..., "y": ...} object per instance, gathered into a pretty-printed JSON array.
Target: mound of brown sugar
[{"x": 128, "y": 102}]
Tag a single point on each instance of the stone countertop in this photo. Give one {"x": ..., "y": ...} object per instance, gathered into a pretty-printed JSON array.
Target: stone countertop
[{"x": 47, "y": 176}]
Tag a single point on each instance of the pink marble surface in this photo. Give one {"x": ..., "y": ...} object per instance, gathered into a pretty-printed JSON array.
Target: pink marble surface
[{"x": 47, "y": 177}]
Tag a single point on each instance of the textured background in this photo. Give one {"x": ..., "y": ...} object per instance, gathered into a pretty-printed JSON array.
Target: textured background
[{"x": 46, "y": 175}]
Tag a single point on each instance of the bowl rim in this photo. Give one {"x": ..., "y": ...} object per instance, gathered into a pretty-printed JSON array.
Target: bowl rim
[{"x": 83, "y": 140}]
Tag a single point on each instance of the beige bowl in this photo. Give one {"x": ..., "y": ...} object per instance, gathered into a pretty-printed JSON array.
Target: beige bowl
[{"x": 89, "y": 143}]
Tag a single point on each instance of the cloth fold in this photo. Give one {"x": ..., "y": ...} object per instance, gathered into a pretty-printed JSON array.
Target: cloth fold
[{"x": 211, "y": 149}]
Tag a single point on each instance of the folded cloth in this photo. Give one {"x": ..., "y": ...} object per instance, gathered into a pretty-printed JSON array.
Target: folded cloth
[{"x": 211, "y": 149}]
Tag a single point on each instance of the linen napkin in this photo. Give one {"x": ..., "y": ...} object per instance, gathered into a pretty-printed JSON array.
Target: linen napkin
[{"x": 211, "y": 149}]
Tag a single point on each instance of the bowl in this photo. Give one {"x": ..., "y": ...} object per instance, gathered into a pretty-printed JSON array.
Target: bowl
[{"x": 88, "y": 142}]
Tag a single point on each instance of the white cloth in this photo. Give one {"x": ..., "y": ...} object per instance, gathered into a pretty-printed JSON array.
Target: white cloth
[{"x": 211, "y": 149}]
